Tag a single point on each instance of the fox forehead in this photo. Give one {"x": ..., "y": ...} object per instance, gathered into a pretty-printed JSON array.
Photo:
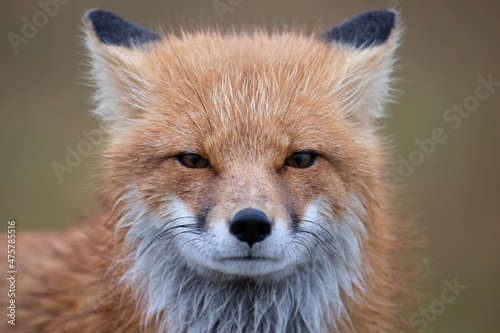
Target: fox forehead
[
  {"x": 254, "y": 76},
  {"x": 245, "y": 93}
]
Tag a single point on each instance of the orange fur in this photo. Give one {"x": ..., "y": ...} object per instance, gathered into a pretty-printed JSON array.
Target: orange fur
[{"x": 245, "y": 102}]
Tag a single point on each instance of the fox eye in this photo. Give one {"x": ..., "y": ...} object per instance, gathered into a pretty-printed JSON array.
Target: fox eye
[
  {"x": 193, "y": 161},
  {"x": 301, "y": 160}
]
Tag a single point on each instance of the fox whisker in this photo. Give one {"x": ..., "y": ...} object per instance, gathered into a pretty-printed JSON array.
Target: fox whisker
[{"x": 160, "y": 233}]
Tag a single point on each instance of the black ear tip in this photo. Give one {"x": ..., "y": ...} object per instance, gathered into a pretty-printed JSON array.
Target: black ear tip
[
  {"x": 366, "y": 30},
  {"x": 111, "y": 29},
  {"x": 391, "y": 14},
  {"x": 96, "y": 17},
  {"x": 93, "y": 13}
]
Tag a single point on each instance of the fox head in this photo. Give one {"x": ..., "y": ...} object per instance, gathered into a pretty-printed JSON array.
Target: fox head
[{"x": 247, "y": 160}]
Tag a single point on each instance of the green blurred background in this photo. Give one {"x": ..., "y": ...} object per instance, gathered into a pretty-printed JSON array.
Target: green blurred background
[{"x": 453, "y": 195}]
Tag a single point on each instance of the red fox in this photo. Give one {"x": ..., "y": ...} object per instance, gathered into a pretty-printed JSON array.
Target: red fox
[{"x": 243, "y": 183}]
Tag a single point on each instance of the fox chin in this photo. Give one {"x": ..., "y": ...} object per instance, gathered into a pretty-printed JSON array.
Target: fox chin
[{"x": 243, "y": 187}]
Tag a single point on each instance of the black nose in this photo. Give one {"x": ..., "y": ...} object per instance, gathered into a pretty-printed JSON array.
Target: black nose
[{"x": 250, "y": 226}]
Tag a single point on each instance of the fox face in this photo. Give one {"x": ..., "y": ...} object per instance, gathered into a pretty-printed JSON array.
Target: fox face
[{"x": 245, "y": 167}]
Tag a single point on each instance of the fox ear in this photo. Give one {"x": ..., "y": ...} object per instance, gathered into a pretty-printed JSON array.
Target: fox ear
[
  {"x": 119, "y": 65},
  {"x": 364, "y": 31},
  {"x": 111, "y": 29},
  {"x": 366, "y": 44}
]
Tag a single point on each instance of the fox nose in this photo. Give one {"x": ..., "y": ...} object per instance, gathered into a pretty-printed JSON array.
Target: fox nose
[{"x": 250, "y": 226}]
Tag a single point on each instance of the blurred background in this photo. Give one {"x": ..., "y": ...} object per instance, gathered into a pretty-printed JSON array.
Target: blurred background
[{"x": 451, "y": 186}]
